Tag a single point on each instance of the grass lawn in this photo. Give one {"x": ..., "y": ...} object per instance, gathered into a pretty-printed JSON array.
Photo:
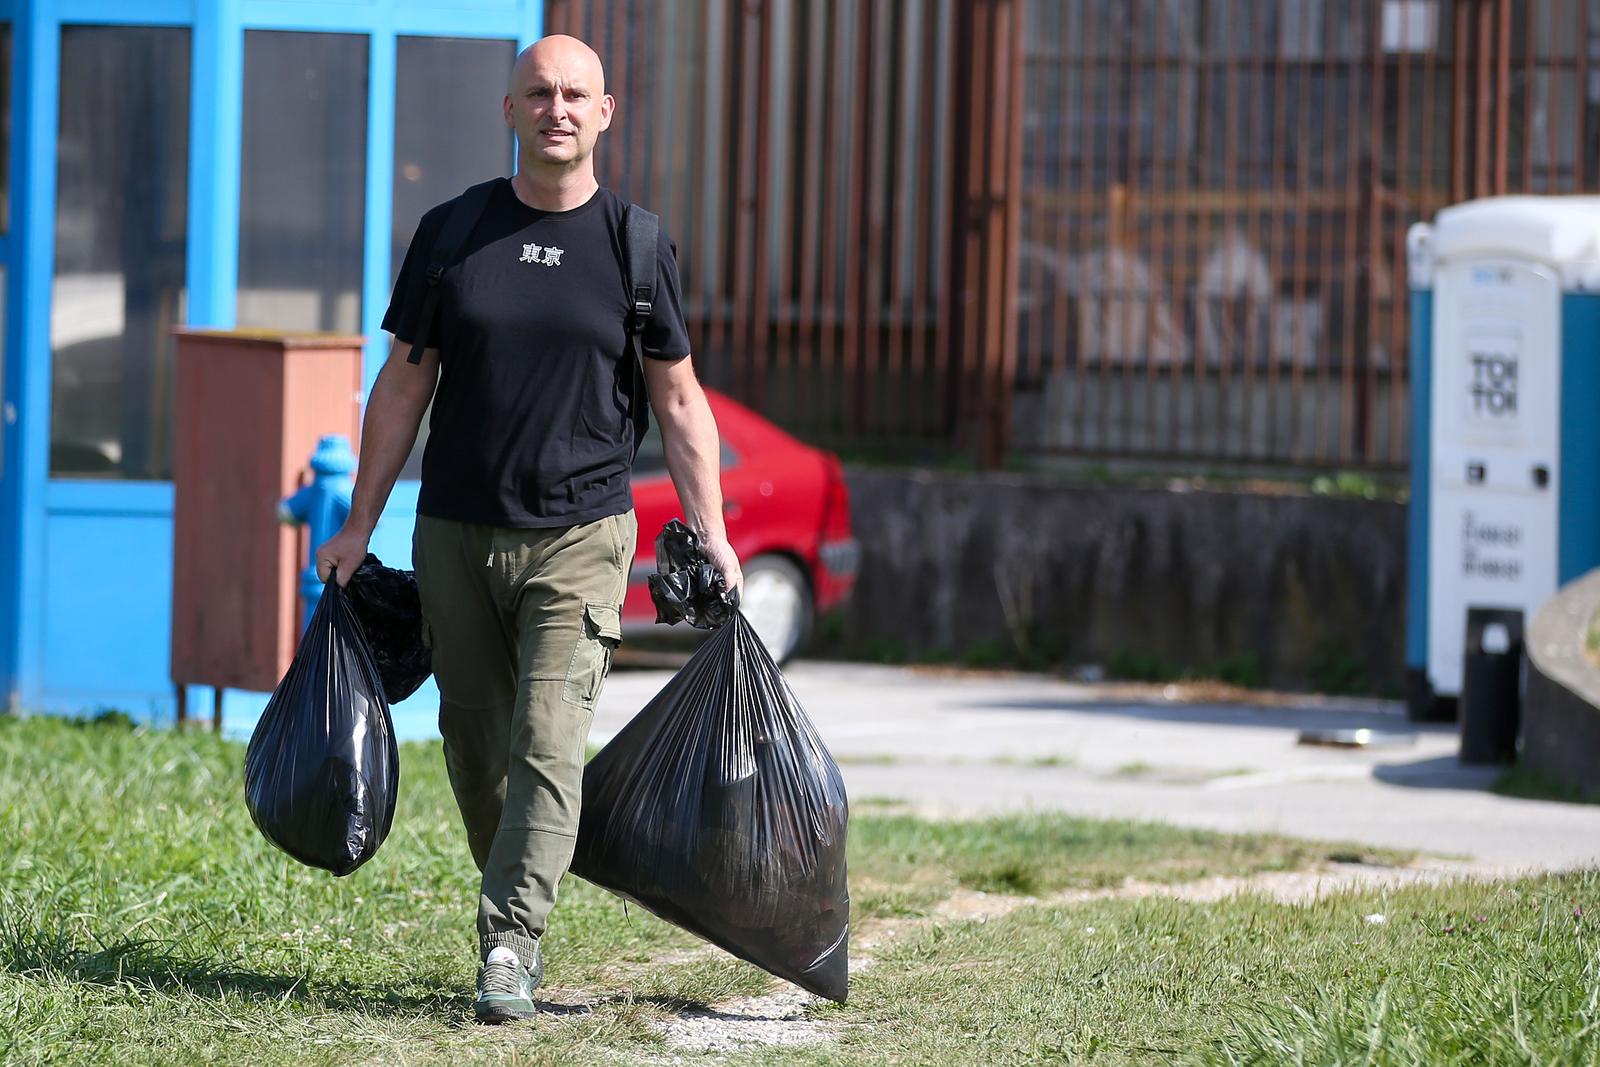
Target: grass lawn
[{"x": 143, "y": 920}]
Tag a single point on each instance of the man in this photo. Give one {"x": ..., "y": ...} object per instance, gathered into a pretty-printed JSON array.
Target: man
[{"x": 525, "y": 532}]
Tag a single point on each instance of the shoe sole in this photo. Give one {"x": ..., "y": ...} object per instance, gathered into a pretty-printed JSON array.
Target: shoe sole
[{"x": 497, "y": 1015}]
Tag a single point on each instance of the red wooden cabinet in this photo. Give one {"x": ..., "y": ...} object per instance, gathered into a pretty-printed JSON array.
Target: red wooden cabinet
[{"x": 251, "y": 406}]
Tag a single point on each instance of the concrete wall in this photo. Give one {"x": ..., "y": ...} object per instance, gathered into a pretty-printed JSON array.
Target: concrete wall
[
  {"x": 1561, "y": 710},
  {"x": 970, "y": 566}
]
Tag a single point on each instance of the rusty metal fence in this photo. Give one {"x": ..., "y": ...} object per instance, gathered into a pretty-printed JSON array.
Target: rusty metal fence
[
  {"x": 1215, "y": 200},
  {"x": 1158, "y": 229}
]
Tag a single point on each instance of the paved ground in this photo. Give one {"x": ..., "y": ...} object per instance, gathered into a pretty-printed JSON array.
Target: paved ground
[{"x": 958, "y": 743}]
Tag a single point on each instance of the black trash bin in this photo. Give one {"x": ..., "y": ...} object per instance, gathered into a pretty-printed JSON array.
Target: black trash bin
[{"x": 1491, "y": 686}]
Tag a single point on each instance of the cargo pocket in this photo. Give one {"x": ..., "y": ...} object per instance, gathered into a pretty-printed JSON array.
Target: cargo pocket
[{"x": 602, "y": 633}]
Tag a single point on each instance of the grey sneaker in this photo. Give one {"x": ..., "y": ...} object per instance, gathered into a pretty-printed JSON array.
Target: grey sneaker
[{"x": 505, "y": 987}]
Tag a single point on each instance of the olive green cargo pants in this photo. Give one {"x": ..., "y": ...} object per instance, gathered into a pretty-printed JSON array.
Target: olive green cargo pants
[{"x": 523, "y": 624}]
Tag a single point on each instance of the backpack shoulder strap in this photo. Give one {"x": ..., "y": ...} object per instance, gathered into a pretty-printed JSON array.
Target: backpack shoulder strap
[
  {"x": 447, "y": 246},
  {"x": 641, "y": 231}
]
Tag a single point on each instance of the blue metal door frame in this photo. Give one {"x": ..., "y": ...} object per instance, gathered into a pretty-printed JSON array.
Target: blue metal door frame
[{"x": 29, "y": 497}]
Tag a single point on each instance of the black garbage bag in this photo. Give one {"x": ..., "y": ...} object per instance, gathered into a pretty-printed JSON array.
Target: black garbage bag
[
  {"x": 322, "y": 771},
  {"x": 390, "y": 609},
  {"x": 719, "y": 809},
  {"x": 686, "y": 587}
]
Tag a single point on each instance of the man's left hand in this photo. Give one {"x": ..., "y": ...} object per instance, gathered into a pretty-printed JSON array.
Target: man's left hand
[{"x": 721, "y": 555}]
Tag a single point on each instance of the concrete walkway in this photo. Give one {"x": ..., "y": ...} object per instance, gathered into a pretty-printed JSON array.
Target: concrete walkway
[{"x": 958, "y": 743}]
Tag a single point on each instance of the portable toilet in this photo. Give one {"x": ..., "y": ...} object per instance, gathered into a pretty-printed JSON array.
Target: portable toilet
[{"x": 1505, "y": 405}]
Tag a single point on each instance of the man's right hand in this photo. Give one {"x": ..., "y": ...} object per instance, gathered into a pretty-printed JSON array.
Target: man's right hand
[{"x": 342, "y": 554}]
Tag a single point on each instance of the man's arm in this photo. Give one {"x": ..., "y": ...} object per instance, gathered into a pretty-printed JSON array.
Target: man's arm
[
  {"x": 388, "y": 430},
  {"x": 689, "y": 435}
]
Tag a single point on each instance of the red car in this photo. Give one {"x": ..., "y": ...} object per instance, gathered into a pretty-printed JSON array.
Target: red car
[{"x": 788, "y": 516}]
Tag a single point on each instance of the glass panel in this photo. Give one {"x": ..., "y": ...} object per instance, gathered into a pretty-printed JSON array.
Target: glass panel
[
  {"x": 122, "y": 160},
  {"x": 5, "y": 127},
  {"x": 453, "y": 135},
  {"x": 302, "y": 191},
  {"x": 3, "y": 407}
]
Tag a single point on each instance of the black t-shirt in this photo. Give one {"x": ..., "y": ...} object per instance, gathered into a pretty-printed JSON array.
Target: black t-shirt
[{"x": 531, "y": 423}]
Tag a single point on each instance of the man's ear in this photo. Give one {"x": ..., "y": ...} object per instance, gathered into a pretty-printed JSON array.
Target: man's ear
[
  {"x": 505, "y": 108},
  {"x": 608, "y": 104}
]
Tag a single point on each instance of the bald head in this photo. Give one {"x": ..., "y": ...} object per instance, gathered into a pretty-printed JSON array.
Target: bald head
[
  {"x": 557, "y": 104},
  {"x": 559, "y": 53}
]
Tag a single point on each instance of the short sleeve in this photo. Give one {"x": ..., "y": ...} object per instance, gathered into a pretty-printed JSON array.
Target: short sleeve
[
  {"x": 665, "y": 335},
  {"x": 405, "y": 305}
]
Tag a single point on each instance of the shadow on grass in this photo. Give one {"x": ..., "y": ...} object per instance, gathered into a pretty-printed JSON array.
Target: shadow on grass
[
  {"x": 36, "y": 953},
  {"x": 151, "y": 964}
]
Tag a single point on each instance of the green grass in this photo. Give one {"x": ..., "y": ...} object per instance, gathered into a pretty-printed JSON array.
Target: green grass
[
  {"x": 143, "y": 920},
  {"x": 1469, "y": 974},
  {"x": 902, "y": 865}
]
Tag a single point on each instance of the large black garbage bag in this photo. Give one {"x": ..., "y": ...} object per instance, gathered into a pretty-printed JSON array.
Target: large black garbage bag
[
  {"x": 390, "y": 609},
  {"x": 719, "y": 809},
  {"x": 322, "y": 771}
]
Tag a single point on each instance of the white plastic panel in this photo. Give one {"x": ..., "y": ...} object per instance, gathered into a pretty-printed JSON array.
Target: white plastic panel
[{"x": 1495, "y": 479}]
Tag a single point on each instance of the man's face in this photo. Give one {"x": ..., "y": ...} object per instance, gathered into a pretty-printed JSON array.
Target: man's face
[{"x": 558, "y": 105}]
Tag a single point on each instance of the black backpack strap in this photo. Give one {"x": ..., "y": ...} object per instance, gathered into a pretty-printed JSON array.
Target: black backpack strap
[
  {"x": 641, "y": 233},
  {"x": 447, "y": 246}
]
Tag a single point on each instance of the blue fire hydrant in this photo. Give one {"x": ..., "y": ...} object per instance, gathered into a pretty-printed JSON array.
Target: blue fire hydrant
[{"x": 323, "y": 506}]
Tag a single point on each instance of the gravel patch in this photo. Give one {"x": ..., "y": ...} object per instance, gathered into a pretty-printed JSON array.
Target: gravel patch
[{"x": 772, "y": 1019}]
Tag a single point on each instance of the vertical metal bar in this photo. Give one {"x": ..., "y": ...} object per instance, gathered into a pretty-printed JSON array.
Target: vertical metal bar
[
  {"x": 1328, "y": 256},
  {"x": 635, "y": 170},
  {"x": 1085, "y": 106},
  {"x": 789, "y": 207},
  {"x": 1354, "y": 216},
  {"x": 1181, "y": 182},
  {"x": 974, "y": 100},
  {"x": 858, "y": 245},
  {"x": 944, "y": 216},
  {"x": 926, "y": 319},
  {"x": 701, "y": 281},
  {"x": 1003, "y": 288},
  {"x": 948, "y": 345},
  {"x": 1230, "y": 199},
  {"x": 828, "y": 296},
  {"x": 889, "y": 314},
  {"x": 759, "y": 345},
  {"x": 1482, "y": 143},
  {"x": 1502, "y": 94},
  {"x": 722, "y": 294},
  {"x": 1278, "y": 225},
  {"x": 1372, "y": 249},
  {"x": 1198, "y": 212},
  {"x": 1104, "y": 69},
  {"x": 1053, "y": 189},
  {"x": 1121, "y": 154},
  {"x": 1581, "y": 96},
  {"x": 1529, "y": 86},
  {"x": 741, "y": 202},
  {"x": 1300, "y": 260},
  {"x": 1399, "y": 358},
  {"x": 813, "y": 180},
  {"x": 1157, "y": 194},
  {"x": 1260, "y": 243},
  {"x": 882, "y": 189},
  {"x": 1552, "y": 65},
  {"x": 1461, "y": 101},
  {"x": 614, "y": 46}
]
